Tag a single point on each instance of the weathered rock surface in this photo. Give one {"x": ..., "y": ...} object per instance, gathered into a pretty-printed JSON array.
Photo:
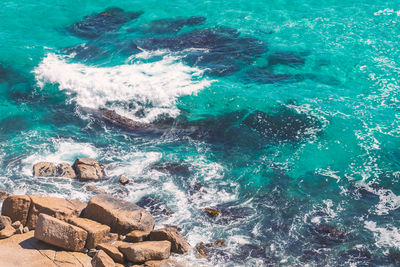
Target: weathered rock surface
[
  {"x": 4, "y": 221},
  {"x": 204, "y": 249},
  {"x": 96, "y": 231},
  {"x": 88, "y": 169},
  {"x": 34, "y": 253},
  {"x": 101, "y": 259},
  {"x": 59, "y": 233},
  {"x": 7, "y": 231},
  {"x": 112, "y": 251},
  {"x": 45, "y": 169},
  {"x": 16, "y": 224},
  {"x": 178, "y": 242},
  {"x": 3, "y": 195},
  {"x": 59, "y": 208},
  {"x": 163, "y": 263},
  {"x": 146, "y": 251},
  {"x": 136, "y": 236},
  {"x": 212, "y": 212},
  {"x": 120, "y": 215},
  {"x": 65, "y": 170},
  {"x": 17, "y": 208}
]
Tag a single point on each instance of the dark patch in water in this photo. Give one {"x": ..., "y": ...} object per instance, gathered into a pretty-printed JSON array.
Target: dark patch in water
[
  {"x": 221, "y": 50},
  {"x": 266, "y": 76},
  {"x": 14, "y": 124},
  {"x": 285, "y": 126},
  {"x": 96, "y": 25},
  {"x": 85, "y": 52},
  {"x": 285, "y": 58},
  {"x": 164, "y": 26},
  {"x": 171, "y": 168},
  {"x": 327, "y": 234},
  {"x": 359, "y": 257},
  {"x": 154, "y": 206}
]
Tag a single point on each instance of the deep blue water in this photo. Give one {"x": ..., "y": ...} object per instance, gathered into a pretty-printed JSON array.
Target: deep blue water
[{"x": 283, "y": 115}]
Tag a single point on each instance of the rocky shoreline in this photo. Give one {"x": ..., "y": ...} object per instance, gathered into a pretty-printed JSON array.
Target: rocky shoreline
[{"x": 105, "y": 232}]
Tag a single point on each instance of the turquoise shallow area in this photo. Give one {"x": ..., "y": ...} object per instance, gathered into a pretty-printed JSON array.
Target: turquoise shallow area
[{"x": 330, "y": 197}]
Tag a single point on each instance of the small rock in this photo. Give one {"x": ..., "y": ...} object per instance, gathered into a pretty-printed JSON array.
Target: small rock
[
  {"x": 212, "y": 212},
  {"x": 101, "y": 259},
  {"x": 204, "y": 249},
  {"x": 7, "y": 231},
  {"x": 19, "y": 230},
  {"x": 146, "y": 251},
  {"x": 4, "y": 221},
  {"x": 16, "y": 224},
  {"x": 45, "y": 169},
  {"x": 96, "y": 231},
  {"x": 3, "y": 195},
  {"x": 112, "y": 251},
  {"x": 65, "y": 170},
  {"x": 88, "y": 169},
  {"x": 92, "y": 252},
  {"x": 123, "y": 180},
  {"x": 25, "y": 229},
  {"x": 58, "y": 233},
  {"x": 178, "y": 243},
  {"x": 136, "y": 236},
  {"x": 120, "y": 215},
  {"x": 17, "y": 208}
]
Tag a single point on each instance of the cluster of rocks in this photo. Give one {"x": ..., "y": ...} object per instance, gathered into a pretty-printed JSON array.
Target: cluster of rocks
[
  {"x": 112, "y": 231},
  {"x": 84, "y": 169}
]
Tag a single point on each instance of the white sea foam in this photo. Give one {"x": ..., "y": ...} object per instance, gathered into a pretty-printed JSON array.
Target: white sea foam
[
  {"x": 388, "y": 236},
  {"x": 157, "y": 84}
]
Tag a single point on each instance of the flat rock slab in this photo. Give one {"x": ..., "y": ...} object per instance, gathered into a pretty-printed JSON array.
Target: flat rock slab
[
  {"x": 112, "y": 251},
  {"x": 25, "y": 250},
  {"x": 146, "y": 251},
  {"x": 88, "y": 169},
  {"x": 101, "y": 259},
  {"x": 45, "y": 169},
  {"x": 59, "y": 233},
  {"x": 120, "y": 215}
]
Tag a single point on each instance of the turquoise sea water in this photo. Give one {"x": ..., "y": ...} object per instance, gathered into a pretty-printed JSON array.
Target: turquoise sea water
[{"x": 282, "y": 114}]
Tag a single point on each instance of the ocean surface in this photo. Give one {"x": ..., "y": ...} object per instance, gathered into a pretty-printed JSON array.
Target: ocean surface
[{"x": 283, "y": 115}]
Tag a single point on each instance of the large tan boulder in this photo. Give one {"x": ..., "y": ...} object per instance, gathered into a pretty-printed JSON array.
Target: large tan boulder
[
  {"x": 59, "y": 233},
  {"x": 59, "y": 208},
  {"x": 45, "y": 169},
  {"x": 96, "y": 231},
  {"x": 17, "y": 208},
  {"x": 146, "y": 251},
  {"x": 101, "y": 259},
  {"x": 178, "y": 243},
  {"x": 120, "y": 215},
  {"x": 65, "y": 170},
  {"x": 112, "y": 251},
  {"x": 88, "y": 169}
]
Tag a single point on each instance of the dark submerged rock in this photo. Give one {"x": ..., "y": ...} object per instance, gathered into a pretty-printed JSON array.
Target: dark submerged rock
[
  {"x": 163, "y": 26},
  {"x": 154, "y": 206},
  {"x": 96, "y": 25},
  {"x": 171, "y": 168},
  {"x": 286, "y": 126},
  {"x": 221, "y": 50},
  {"x": 285, "y": 58},
  {"x": 85, "y": 52},
  {"x": 327, "y": 234}
]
